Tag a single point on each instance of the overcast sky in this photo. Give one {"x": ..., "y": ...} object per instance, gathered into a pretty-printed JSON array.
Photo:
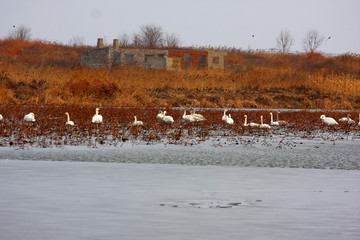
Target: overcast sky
[{"x": 228, "y": 23}]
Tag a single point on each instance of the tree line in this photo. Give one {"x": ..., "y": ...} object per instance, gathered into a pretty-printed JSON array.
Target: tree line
[{"x": 153, "y": 36}]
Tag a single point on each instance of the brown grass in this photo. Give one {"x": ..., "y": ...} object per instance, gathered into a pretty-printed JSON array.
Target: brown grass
[{"x": 47, "y": 73}]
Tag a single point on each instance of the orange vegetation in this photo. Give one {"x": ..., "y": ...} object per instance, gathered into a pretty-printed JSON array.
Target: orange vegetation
[{"x": 39, "y": 73}]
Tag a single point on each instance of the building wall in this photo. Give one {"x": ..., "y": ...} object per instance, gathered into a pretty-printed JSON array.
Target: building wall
[
  {"x": 144, "y": 57},
  {"x": 216, "y": 59},
  {"x": 99, "y": 57},
  {"x": 194, "y": 58},
  {"x": 151, "y": 58}
]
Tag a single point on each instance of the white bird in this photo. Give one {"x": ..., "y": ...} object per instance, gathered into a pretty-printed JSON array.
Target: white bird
[
  {"x": 189, "y": 118},
  {"x": 137, "y": 123},
  {"x": 359, "y": 120},
  {"x": 1, "y": 117},
  {"x": 97, "y": 118},
  {"x": 229, "y": 120},
  {"x": 167, "y": 119},
  {"x": 347, "y": 119},
  {"x": 224, "y": 116},
  {"x": 68, "y": 122},
  {"x": 328, "y": 120},
  {"x": 30, "y": 117},
  {"x": 197, "y": 117},
  {"x": 281, "y": 122},
  {"x": 160, "y": 115},
  {"x": 272, "y": 123},
  {"x": 252, "y": 124},
  {"x": 264, "y": 125}
]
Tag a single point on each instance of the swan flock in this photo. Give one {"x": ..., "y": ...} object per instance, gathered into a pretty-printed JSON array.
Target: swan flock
[{"x": 195, "y": 117}]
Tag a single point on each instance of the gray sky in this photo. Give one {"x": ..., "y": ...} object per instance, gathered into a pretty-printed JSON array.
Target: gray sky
[{"x": 212, "y": 22}]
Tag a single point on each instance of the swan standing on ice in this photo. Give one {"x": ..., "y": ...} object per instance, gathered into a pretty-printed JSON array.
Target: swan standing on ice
[
  {"x": 197, "y": 117},
  {"x": 264, "y": 125},
  {"x": 97, "y": 118},
  {"x": 252, "y": 124},
  {"x": 229, "y": 120},
  {"x": 68, "y": 122},
  {"x": 1, "y": 117},
  {"x": 272, "y": 123},
  {"x": 328, "y": 120},
  {"x": 30, "y": 117},
  {"x": 167, "y": 119},
  {"x": 189, "y": 118},
  {"x": 137, "y": 123},
  {"x": 347, "y": 119}
]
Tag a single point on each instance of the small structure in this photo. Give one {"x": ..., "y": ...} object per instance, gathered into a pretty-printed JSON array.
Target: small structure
[{"x": 151, "y": 58}]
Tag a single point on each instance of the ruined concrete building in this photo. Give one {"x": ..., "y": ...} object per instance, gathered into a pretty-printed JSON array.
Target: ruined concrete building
[{"x": 151, "y": 58}]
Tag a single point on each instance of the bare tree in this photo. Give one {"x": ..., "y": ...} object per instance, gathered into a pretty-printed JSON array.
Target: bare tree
[
  {"x": 136, "y": 41},
  {"x": 172, "y": 40},
  {"x": 77, "y": 41},
  {"x": 284, "y": 41},
  {"x": 151, "y": 36},
  {"x": 312, "y": 41},
  {"x": 124, "y": 40},
  {"x": 21, "y": 32}
]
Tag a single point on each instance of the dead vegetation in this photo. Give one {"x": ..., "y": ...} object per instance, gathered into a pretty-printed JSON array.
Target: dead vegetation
[{"x": 34, "y": 72}]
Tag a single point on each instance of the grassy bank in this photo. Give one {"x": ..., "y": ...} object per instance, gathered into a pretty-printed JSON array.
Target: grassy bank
[{"x": 49, "y": 74}]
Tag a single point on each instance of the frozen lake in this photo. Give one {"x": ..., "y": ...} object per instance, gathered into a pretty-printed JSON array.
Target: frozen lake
[{"x": 307, "y": 190}]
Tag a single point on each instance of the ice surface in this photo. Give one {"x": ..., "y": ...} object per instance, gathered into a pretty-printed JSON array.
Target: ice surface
[
  {"x": 307, "y": 189},
  {"x": 93, "y": 200}
]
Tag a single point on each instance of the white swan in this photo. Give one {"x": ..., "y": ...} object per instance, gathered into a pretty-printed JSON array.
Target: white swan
[
  {"x": 328, "y": 120},
  {"x": 189, "y": 118},
  {"x": 197, "y": 117},
  {"x": 229, "y": 120},
  {"x": 160, "y": 115},
  {"x": 263, "y": 125},
  {"x": 167, "y": 119},
  {"x": 272, "y": 123},
  {"x": 252, "y": 124},
  {"x": 281, "y": 122},
  {"x": 30, "y": 117},
  {"x": 224, "y": 116},
  {"x": 137, "y": 123},
  {"x": 347, "y": 119},
  {"x": 245, "y": 121},
  {"x": 97, "y": 118},
  {"x": 1, "y": 117},
  {"x": 68, "y": 122}
]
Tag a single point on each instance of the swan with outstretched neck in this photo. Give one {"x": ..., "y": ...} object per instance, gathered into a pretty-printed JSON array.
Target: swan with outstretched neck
[
  {"x": 68, "y": 122},
  {"x": 263, "y": 125},
  {"x": 97, "y": 118},
  {"x": 137, "y": 123},
  {"x": 252, "y": 124},
  {"x": 347, "y": 119},
  {"x": 272, "y": 122}
]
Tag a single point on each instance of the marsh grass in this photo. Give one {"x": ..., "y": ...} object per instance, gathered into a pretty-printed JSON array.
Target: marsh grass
[{"x": 48, "y": 73}]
